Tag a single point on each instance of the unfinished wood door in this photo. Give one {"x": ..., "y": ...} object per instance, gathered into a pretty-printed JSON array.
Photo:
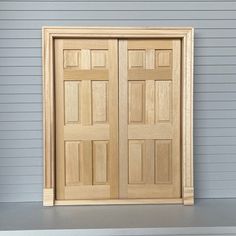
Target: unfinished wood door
[
  {"x": 86, "y": 92},
  {"x": 149, "y": 118}
]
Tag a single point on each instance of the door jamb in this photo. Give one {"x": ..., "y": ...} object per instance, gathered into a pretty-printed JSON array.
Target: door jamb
[{"x": 184, "y": 33}]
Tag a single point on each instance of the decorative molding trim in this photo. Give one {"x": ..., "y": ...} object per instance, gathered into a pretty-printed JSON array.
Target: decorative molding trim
[
  {"x": 48, "y": 197},
  {"x": 184, "y": 33}
]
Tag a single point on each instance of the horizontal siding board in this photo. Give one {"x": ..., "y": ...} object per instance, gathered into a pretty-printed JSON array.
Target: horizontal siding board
[
  {"x": 20, "y": 89},
  {"x": 21, "y": 107},
  {"x": 21, "y": 134},
  {"x": 16, "y": 43},
  {"x": 201, "y": 79},
  {"x": 20, "y": 170},
  {"x": 21, "y": 61},
  {"x": 214, "y": 149},
  {"x": 21, "y": 126},
  {"x": 211, "y": 33},
  {"x": 206, "y": 141},
  {"x": 215, "y": 132},
  {"x": 214, "y": 123},
  {"x": 37, "y": 24},
  {"x": 215, "y": 167},
  {"x": 36, "y": 33},
  {"x": 214, "y": 87},
  {"x": 20, "y": 98},
  {"x": 18, "y": 143},
  {"x": 217, "y": 114},
  {"x": 215, "y": 69},
  {"x": 21, "y": 152},
  {"x": 21, "y": 145},
  {"x": 114, "y": 14},
  {"x": 227, "y": 176},
  {"x": 21, "y": 116},
  {"x": 213, "y": 105},
  {"x": 20, "y": 52},
  {"x": 20, "y": 34},
  {"x": 4, "y": 180},
  {"x": 215, "y": 60},
  {"x": 21, "y": 162},
  {"x": 122, "y": 5},
  {"x": 204, "y": 96},
  {"x": 215, "y": 51},
  {"x": 215, "y": 158},
  {"x": 20, "y": 71},
  {"x": 20, "y": 80},
  {"x": 215, "y": 42}
]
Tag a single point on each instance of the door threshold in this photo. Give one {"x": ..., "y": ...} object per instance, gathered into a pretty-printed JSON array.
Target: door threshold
[{"x": 119, "y": 201}]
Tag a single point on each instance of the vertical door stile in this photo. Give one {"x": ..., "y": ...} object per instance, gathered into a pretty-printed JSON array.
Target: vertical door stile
[
  {"x": 123, "y": 119},
  {"x": 60, "y": 176},
  {"x": 176, "y": 118},
  {"x": 113, "y": 117}
]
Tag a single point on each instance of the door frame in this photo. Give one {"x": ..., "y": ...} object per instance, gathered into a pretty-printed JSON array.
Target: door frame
[{"x": 186, "y": 34}]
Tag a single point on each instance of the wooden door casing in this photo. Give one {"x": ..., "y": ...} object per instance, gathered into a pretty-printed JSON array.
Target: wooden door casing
[
  {"x": 86, "y": 91},
  {"x": 149, "y": 118},
  {"x": 51, "y": 36}
]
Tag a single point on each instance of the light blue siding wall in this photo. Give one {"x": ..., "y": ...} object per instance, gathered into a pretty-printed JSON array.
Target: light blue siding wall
[{"x": 21, "y": 83}]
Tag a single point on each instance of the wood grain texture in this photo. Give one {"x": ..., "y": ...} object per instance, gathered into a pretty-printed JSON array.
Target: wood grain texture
[
  {"x": 80, "y": 132},
  {"x": 72, "y": 162},
  {"x": 48, "y": 114},
  {"x": 176, "y": 120},
  {"x": 72, "y": 102},
  {"x": 119, "y": 202},
  {"x": 136, "y": 101},
  {"x": 100, "y": 101},
  {"x": 187, "y": 120},
  {"x": 87, "y": 119},
  {"x": 123, "y": 120},
  {"x": 113, "y": 117},
  {"x": 48, "y": 197},
  {"x": 163, "y": 162},
  {"x": 136, "y": 159},
  {"x": 86, "y": 74},
  {"x": 87, "y": 163},
  {"x": 184, "y": 33},
  {"x": 86, "y": 103},
  {"x": 160, "y": 124},
  {"x": 100, "y": 162},
  {"x": 59, "y": 120}
]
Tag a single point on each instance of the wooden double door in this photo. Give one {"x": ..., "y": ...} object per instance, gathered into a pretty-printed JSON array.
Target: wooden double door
[{"x": 117, "y": 106}]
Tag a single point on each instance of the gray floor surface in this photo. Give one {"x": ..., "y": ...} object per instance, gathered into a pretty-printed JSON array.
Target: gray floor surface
[{"x": 33, "y": 216}]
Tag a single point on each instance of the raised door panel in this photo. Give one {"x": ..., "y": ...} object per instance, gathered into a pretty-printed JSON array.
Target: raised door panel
[
  {"x": 149, "y": 116},
  {"x": 86, "y": 119}
]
